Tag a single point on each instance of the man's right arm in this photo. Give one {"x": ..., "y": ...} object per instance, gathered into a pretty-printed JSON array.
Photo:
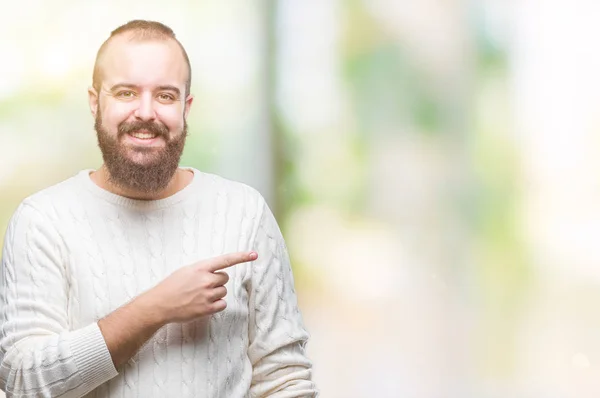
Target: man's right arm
[
  {"x": 39, "y": 355},
  {"x": 189, "y": 293}
]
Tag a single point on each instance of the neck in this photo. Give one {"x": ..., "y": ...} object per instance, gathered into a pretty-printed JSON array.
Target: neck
[{"x": 180, "y": 180}]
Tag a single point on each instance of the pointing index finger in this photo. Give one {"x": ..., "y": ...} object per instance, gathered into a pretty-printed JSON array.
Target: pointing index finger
[{"x": 230, "y": 259}]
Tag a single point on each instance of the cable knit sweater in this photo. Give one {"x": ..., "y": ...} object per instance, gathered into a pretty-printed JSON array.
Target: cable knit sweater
[{"x": 75, "y": 252}]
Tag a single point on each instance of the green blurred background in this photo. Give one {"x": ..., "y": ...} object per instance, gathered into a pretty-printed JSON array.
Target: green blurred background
[{"x": 433, "y": 165}]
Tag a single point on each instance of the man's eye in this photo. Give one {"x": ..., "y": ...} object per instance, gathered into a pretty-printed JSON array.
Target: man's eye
[
  {"x": 166, "y": 97},
  {"x": 125, "y": 94}
]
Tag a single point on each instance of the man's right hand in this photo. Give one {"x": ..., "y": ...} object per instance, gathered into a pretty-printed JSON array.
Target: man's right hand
[
  {"x": 190, "y": 292},
  {"x": 196, "y": 290}
]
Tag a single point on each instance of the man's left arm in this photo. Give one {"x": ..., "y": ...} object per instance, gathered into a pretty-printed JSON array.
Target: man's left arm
[{"x": 276, "y": 331}]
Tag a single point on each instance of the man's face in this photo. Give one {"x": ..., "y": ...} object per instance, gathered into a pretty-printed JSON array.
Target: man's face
[{"x": 140, "y": 112}]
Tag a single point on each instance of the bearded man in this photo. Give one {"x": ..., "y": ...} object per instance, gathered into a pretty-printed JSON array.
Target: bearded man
[{"x": 144, "y": 278}]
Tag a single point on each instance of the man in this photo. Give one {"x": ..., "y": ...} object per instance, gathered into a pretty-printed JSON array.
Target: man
[{"x": 143, "y": 278}]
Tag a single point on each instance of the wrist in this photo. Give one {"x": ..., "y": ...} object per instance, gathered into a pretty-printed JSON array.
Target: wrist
[{"x": 153, "y": 313}]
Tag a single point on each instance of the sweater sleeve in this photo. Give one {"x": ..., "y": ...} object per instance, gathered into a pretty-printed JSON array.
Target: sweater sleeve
[
  {"x": 39, "y": 354},
  {"x": 276, "y": 330}
]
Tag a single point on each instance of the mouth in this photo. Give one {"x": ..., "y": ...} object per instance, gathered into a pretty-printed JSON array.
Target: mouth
[
  {"x": 143, "y": 135},
  {"x": 144, "y": 138}
]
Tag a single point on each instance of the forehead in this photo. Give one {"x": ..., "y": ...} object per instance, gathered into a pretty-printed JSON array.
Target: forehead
[{"x": 145, "y": 63}]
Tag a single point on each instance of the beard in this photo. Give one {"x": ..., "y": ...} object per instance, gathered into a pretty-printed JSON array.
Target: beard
[{"x": 155, "y": 171}]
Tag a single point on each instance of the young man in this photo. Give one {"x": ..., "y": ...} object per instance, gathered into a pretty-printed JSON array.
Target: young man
[{"x": 143, "y": 278}]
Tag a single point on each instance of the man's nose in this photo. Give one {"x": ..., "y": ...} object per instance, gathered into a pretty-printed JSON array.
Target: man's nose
[{"x": 145, "y": 109}]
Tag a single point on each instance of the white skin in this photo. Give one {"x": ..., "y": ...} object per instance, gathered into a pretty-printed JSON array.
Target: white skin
[{"x": 146, "y": 81}]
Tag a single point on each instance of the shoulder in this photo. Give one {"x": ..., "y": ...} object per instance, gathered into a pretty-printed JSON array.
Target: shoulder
[
  {"x": 51, "y": 201},
  {"x": 229, "y": 192},
  {"x": 39, "y": 213},
  {"x": 46, "y": 206}
]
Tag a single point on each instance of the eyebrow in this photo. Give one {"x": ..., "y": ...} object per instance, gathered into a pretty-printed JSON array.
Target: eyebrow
[
  {"x": 159, "y": 88},
  {"x": 122, "y": 85}
]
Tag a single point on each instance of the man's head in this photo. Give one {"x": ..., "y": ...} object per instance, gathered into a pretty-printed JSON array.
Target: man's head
[{"x": 140, "y": 101}]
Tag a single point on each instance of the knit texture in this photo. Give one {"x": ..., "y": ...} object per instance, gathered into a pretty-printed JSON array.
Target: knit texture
[{"x": 74, "y": 253}]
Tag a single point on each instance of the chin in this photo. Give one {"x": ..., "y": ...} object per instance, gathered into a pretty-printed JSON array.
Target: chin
[{"x": 143, "y": 159}]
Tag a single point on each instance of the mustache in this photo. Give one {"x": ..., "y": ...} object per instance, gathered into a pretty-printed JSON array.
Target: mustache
[{"x": 159, "y": 130}]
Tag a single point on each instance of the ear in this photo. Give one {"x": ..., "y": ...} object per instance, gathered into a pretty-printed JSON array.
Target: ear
[
  {"x": 188, "y": 105},
  {"x": 93, "y": 100}
]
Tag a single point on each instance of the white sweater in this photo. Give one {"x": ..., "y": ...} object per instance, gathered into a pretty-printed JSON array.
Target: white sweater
[{"x": 75, "y": 252}]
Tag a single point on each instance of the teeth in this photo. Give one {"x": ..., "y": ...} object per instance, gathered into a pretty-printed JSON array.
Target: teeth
[{"x": 143, "y": 136}]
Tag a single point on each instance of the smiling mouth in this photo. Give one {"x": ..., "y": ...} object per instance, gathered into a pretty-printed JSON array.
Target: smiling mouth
[{"x": 143, "y": 135}]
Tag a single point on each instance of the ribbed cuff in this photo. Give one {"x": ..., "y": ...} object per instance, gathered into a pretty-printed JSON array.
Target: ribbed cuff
[{"x": 92, "y": 357}]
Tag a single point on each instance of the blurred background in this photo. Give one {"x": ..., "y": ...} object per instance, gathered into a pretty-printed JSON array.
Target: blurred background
[{"x": 434, "y": 166}]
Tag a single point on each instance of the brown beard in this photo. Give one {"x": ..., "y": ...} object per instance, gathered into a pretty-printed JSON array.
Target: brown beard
[{"x": 155, "y": 173}]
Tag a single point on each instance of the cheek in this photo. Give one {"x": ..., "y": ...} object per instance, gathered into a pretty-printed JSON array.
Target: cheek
[
  {"x": 172, "y": 118},
  {"x": 113, "y": 115}
]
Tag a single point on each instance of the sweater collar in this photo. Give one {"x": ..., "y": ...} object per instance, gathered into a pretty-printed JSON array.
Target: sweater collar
[{"x": 84, "y": 178}]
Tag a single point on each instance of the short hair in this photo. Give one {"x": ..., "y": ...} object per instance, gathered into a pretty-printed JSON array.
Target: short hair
[{"x": 141, "y": 30}]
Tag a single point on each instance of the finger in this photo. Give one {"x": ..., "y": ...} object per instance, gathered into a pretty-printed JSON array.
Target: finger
[
  {"x": 218, "y": 293},
  {"x": 218, "y": 306},
  {"x": 228, "y": 260},
  {"x": 221, "y": 278},
  {"x": 215, "y": 279}
]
